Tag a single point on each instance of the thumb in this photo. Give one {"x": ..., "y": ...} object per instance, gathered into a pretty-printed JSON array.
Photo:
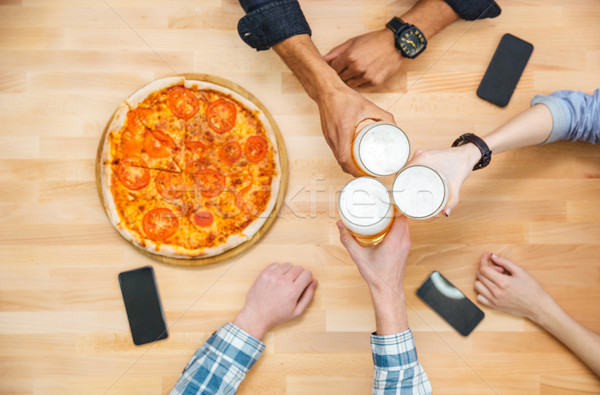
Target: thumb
[
  {"x": 506, "y": 263},
  {"x": 346, "y": 238},
  {"x": 452, "y": 202},
  {"x": 336, "y": 51}
]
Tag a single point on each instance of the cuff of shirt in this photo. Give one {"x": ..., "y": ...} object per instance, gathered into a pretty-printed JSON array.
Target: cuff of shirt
[
  {"x": 232, "y": 342},
  {"x": 475, "y": 9},
  {"x": 394, "y": 352},
  {"x": 272, "y": 23},
  {"x": 559, "y": 116}
]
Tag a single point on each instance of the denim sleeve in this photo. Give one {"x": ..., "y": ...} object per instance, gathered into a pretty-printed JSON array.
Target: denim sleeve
[
  {"x": 576, "y": 115},
  {"x": 269, "y": 22},
  {"x": 475, "y": 9}
]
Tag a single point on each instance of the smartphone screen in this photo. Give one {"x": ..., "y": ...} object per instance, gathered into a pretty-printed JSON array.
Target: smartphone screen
[
  {"x": 450, "y": 303},
  {"x": 144, "y": 310},
  {"x": 505, "y": 70}
]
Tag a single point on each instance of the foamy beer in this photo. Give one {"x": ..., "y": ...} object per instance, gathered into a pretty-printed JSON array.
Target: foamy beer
[
  {"x": 366, "y": 209},
  {"x": 380, "y": 149},
  {"x": 420, "y": 192}
]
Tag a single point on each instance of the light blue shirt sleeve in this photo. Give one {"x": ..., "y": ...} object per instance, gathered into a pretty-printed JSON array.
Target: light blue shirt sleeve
[{"x": 576, "y": 115}]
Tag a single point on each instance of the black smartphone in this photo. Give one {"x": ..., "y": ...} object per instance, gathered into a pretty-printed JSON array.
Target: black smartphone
[
  {"x": 505, "y": 70},
  {"x": 142, "y": 302},
  {"x": 450, "y": 303}
]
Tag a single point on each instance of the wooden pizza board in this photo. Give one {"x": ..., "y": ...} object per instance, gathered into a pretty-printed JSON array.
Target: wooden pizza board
[{"x": 283, "y": 164}]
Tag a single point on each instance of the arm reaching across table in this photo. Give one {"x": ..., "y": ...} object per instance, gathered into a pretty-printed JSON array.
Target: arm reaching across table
[
  {"x": 505, "y": 286},
  {"x": 280, "y": 24},
  {"x": 397, "y": 369},
  {"x": 279, "y": 294},
  {"x": 563, "y": 115}
]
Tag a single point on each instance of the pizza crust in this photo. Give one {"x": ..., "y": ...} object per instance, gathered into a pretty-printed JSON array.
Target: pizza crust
[
  {"x": 134, "y": 100},
  {"x": 170, "y": 250}
]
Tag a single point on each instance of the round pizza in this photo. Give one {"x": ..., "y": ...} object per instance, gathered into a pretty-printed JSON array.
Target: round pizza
[{"x": 189, "y": 169}]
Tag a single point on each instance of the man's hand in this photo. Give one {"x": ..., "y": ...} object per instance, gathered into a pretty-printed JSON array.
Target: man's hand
[
  {"x": 507, "y": 287},
  {"x": 382, "y": 266},
  {"x": 366, "y": 60},
  {"x": 279, "y": 294},
  {"x": 342, "y": 110},
  {"x": 455, "y": 163}
]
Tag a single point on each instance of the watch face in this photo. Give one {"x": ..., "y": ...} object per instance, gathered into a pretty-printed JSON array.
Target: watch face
[{"x": 412, "y": 42}]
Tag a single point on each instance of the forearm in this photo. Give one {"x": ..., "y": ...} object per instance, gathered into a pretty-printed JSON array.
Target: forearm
[
  {"x": 531, "y": 127},
  {"x": 583, "y": 342},
  {"x": 305, "y": 61},
  {"x": 390, "y": 310},
  {"x": 430, "y": 16}
]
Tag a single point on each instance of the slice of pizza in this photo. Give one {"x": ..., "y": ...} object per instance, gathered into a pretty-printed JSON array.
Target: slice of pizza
[{"x": 129, "y": 137}]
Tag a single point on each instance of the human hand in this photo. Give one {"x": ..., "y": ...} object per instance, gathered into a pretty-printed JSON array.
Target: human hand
[
  {"x": 280, "y": 293},
  {"x": 342, "y": 110},
  {"x": 505, "y": 286},
  {"x": 366, "y": 60},
  {"x": 382, "y": 265},
  {"x": 454, "y": 163}
]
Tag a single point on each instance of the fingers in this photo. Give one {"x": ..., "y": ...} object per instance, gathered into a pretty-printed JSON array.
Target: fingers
[
  {"x": 305, "y": 298},
  {"x": 285, "y": 267},
  {"x": 484, "y": 301},
  {"x": 348, "y": 73},
  {"x": 332, "y": 56},
  {"x": 487, "y": 283},
  {"x": 505, "y": 263},
  {"x": 303, "y": 279},
  {"x": 294, "y": 272},
  {"x": 483, "y": 291},
  {"x": 398, "y": 234},
  {"x": 346, "y": 238}
]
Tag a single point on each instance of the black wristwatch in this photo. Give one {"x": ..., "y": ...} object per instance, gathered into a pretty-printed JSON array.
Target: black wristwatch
[
  {"x": 486, "y": 154},
  {"x": 409, "y": 40}
]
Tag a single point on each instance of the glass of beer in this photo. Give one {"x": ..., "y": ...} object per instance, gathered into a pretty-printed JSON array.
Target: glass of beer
[
  {"x": 366, "y": 210},
  {"x": 380, "y": 149},
  {"x": 420, "y": 191}
]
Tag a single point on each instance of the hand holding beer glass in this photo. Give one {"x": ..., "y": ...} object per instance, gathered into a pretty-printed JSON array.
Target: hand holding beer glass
[{"x": 418, "y": 191}]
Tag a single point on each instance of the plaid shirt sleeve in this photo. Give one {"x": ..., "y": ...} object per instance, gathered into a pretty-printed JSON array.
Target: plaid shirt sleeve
[
  {"x": 220, "y": 365},
  {"x": 397, "y": 370}
]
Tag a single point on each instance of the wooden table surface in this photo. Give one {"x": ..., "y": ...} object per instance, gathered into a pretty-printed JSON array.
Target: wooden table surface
[{"x": 66, "y": 65}]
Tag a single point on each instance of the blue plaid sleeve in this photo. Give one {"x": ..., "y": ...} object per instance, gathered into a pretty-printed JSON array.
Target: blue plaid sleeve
[
  {"x": 397, "y": 370},
  {"x": 220, "y": 365}
]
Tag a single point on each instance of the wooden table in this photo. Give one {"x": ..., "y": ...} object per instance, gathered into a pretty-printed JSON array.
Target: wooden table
[{"x": 65, "y": 66}]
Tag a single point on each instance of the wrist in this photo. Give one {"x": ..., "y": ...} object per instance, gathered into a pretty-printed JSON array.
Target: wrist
[
  {"x": 471, "y": 154},
  {"x": 545, "y": 311},
  {"x": 430, "y": 16},
  {"x": 307, "y": 64},
  {"x": 390, "y": 312},
  {"x": 251, "y": 324}
]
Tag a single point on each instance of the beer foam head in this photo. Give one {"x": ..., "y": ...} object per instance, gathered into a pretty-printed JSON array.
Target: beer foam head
[
  {"x": 420, "y": 192},
  {"x": 383, "y": 149},
  {"x": 365, "y": 206}
]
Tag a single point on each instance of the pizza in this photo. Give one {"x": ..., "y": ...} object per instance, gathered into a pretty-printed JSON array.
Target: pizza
[{"x": 189, "y": 169}]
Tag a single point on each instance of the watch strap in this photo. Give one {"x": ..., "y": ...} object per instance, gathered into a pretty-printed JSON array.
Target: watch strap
[
  {"x": 486, "y": 154},
  {"x": 396, "y": 25}
]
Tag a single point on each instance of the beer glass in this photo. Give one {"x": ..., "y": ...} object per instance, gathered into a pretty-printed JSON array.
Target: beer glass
[
  {"x": 366, "y": 210},
  {"x": 420, "y": 191},
  {"x": 380, "y": 149}
]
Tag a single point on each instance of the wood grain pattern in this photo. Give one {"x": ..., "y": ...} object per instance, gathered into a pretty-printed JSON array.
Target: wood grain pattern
[{"x": 66, "y": 65}]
